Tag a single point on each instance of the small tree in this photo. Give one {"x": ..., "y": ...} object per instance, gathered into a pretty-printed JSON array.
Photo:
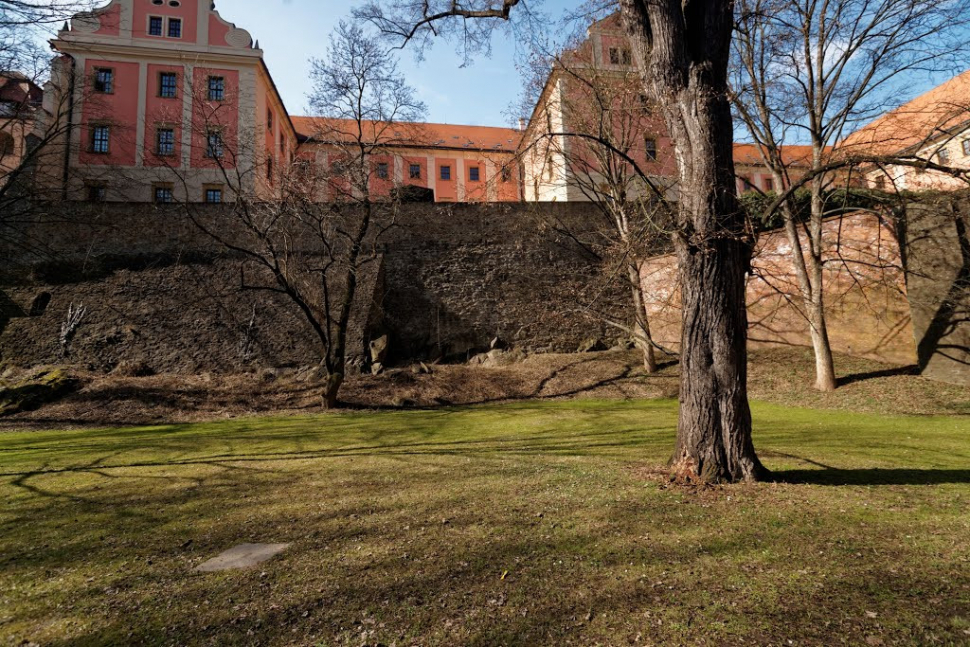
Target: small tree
[
  {"x": 316, "y": 254},
  {"x": 809, "y": 71},
  {"x": 603, "y": 146}
]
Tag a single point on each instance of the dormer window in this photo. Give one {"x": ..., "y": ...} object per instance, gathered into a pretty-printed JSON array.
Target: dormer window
[
  {"x": 155, "y": 26},
  {"x": 626, "y": 57},
  {"x": 614, "y": 56},
  {"x": 174, "y": 28}
]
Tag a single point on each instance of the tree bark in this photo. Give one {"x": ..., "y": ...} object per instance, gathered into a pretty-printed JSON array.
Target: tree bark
[
  {"x": 683, "y": 54},
  {"x": 641, "y": 328},
  {"x": 808, "y": 273},
  {"x": 332, "y": 388}
]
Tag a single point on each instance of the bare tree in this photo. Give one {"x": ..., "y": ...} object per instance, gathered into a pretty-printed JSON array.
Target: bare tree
[
  {"x": 813, "y": 71},
  {"x": 313, "y": 254},
  {"x": 681, "y": 49},
  {"x": 602, "y": 142}
]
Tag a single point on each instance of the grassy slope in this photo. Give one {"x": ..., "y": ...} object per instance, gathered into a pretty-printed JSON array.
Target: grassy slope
[{"x": 403, "y": 523}]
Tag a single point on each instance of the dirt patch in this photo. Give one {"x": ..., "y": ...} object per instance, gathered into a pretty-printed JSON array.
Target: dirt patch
[{"x": 779, "y": 376}]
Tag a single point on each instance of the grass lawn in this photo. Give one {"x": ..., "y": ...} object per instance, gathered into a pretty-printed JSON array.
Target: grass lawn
[{"x": 527, "y": 524}]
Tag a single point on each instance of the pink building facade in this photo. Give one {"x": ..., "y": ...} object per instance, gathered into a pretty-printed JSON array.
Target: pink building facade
[{"x": 167, "y": 102}]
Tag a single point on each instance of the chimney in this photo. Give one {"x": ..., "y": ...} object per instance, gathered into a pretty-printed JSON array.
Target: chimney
[{"x": 522, "y": 124}]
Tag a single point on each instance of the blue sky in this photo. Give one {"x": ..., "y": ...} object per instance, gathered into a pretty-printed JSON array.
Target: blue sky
[{"x": 291, "y": 31}]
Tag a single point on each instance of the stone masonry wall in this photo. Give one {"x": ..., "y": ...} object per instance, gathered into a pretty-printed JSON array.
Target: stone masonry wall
[{"x": 865, "y": 293}]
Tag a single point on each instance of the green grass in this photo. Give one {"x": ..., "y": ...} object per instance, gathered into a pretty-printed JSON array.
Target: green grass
[{"x": 402, "y": 525}]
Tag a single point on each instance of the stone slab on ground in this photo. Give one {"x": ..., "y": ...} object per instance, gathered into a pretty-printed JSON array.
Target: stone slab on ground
[{"x": 241, "y": 556}]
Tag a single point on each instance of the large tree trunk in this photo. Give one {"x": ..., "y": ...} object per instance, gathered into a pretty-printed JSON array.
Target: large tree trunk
[
  {"x": 683, "y": 55},
  {"x": 641, "y": 326}
]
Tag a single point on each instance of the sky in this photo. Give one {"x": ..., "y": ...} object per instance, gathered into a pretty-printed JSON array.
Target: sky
[{"x": 292, "y": 31}]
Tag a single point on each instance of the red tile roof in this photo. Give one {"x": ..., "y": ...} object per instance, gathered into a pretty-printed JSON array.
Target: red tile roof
[
  {"x": 920, "y": 121},
  {"x": 749, "y": 155},
  {"x": 419, "y": 135}
]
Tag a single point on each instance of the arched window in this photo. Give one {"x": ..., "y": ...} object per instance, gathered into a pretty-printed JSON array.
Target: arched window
[{"x": 6, "y": 144}]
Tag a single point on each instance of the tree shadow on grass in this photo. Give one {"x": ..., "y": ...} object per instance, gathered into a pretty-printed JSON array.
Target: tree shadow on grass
[
  {"x": 872, "y": 476},
  {"x": 911, "y": 369}
]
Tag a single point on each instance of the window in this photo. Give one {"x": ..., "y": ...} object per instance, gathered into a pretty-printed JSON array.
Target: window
[
  {"x": 104, "y": 80},
  {"x": 97, "y": 192},
  {"x": 966, "y": 146},
  {"x": 163, "y": 194},
  {"x": 154, "y": 25},
  {"x": 174, "y": 28},
  {"x": 943, "y": 156},
  {"x": 382, "y": 170},
  {"x": 414, "y": 171},
  {"x": 769, "y": 184},
  {"x": 100, "y": 139},
  {"x": 269, "y": 168},
  {"x": 746, "y": 184},
  {"x": 168, "y": 85},
  {"x": 626, "y": 57},
  {"x": 650, "y": 145},
  {"x": 881, "y": 182},
  {"x": 269, "y": 120},
  {"x": 213, "y": 195},
  {"x": 645, "y": 103},
  {"x": 445, "y": 172},
  {"x": 506, "y": 174},
  {"x": 213, "y": 146},
  {"x": 473, "y": 174},
  {"x": 217, "y": 88},
  {"x": 549, "y": 169},
  {"x": 614, "y": 56},
  {"x": 165, "y": 140}
]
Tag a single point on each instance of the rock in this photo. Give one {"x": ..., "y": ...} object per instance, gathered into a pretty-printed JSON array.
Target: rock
[
  {"x": 498, "y": 343},
  {"x": 376, "y": 368},
  {"x": 36, "y": 391},
  {"x": 378, "y": 350},
  {"x": 623, "y": 343},
  {"x": 241, "y": 556},
  {"x": 133, "y": 368},
  {"x": 421, "y": 369},
  {"x": 591, "y": 345},
  {"x": 479, "y": 359}
]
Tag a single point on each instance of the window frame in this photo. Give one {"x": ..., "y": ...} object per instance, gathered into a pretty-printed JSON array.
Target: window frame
[
  {"x": 965, "y": 145},
  {"x": 412, "y": 173},
  {"x": 650, "y": 148},
  {"x": 158, "y": 141},
  {"x": 506, "y": 174},
  {"x": 162, "y": 87},
  {"x": 156, "y": 188},
  {"x": 614, "y": 54},
  {"x": 100, "y": 188},
  {"x": 161, "y": 26},
  {"x": 212, "y": 189},
  {"x": 214, "y": 153},
  {"x": 95, "y": 148},
  {"x": 220, "y": 89},
  {"x": 474, "y": 174},
  {"x": 106, "y": 88},
  {"x": 168, "y": 28},
  {"x": 444, "y": 172},
  {"x": 943, "y": 156},
  {"x": 382, "y": 170}
]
